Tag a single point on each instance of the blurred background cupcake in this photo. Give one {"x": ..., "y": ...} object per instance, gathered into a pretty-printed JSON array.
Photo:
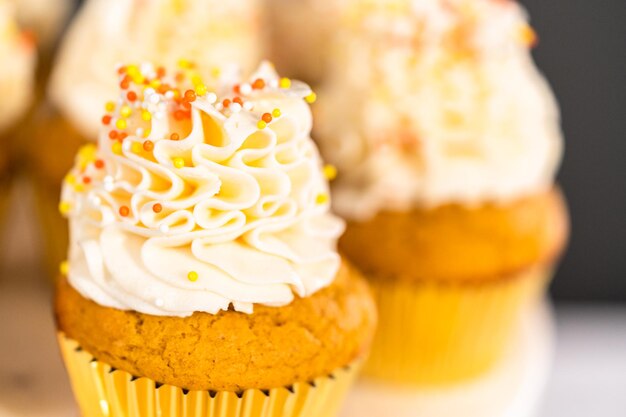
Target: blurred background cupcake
[
  {"x": 203, "y": 273},
  {"x": 106, "y": 33},
  {"x": 447, "y": 140},
  {"x": 300, "y": 34},
  {"x": 17, "y": 68}
]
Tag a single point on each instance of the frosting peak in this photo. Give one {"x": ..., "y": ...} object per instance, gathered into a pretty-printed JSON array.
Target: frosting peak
[{"x": 201, "y": 194}]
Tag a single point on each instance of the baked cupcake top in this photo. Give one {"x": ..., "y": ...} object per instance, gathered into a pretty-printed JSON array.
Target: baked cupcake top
[
  {"x": 17, "y": 67},
  {"x": 159, "y": 31},
  {"x": 433, "y": 102},
  {"x": 200, "y": 195}
]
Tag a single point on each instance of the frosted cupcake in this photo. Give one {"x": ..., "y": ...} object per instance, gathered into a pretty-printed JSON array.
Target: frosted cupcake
[
  {"x": 107, "y": 32},
  {"x": 17, "y": 66},
  {"x": 446, "y": 139},
  {"x": 300, "y": 35},
  {"x": 203, "y": 276}
]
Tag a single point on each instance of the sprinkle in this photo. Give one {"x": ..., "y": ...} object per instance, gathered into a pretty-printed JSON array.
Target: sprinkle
[
  {"x": 99, "y": 163},
  {"x": 258, "y": 84},
  {"x": 284, "y": 82},
  {"x": 330, "y": 172},
  {"x": 131, "y": 96},
  {"x": 110, "y": 106},
  {"x": 70, "y": 179},
  {"x": 106, "y": 119},
  {"x": 125, "y": 111},
  {"x": 121, "y": 124},
  {"x": 261, "y": 124},
  {"x": 64, "y": 267},
  {"x": 211, "y": 98},
  {"x": 117, "y": 148},
  {"x": 311, "y": 98},
  {"x": 136, "y": 147},
  {"x": 86, "y": 180},
  {"x": 235, "y": 107},
  {"x": 145, "y": 115},
  {"x": 226, "y": 103},
  {"x": 245, "y": 89},
  {"x": 175, "y": 136},
  {"x": 179, "y": 162},
  {"x": 148, "y": 146},
  {"x": 79, "y": 188},
  {"x": 266, "y": 117},
  {"x": 248, "y": 105},
  {"x": 154, "y": 98},
  {"x": 276, "y": 113},
  {"x": 201, "y": 89},
  {"x": 65, "y": 207},
  {"x": 238, "y": 100},
  {"x": 157, "y": 208},
  {"x": 192, "y": 276},
  {"x": 321, "y": 198},
  {"x": 124, "y": 211},
  {"x": 190, "y": 96}
]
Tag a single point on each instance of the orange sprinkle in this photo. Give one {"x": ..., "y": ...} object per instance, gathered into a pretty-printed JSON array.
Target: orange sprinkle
[
  {"x": 131, "y": 96},
  {"x": 122, "y": 136},
  {"x": 86, "y": 180},
  {"x": 124, "y": 85},
  {"x": 113, "y": 134},
  {"x": 236, "y": 89},
  {"x": 186, "y": 105},
  {"x": 160, "y": 71},
  {"x": 121, "y": 70},
  {"x": 148, "y": 146},
  {"x": 226, "y": 103},
  {"x": 179, "y": 77},
  {"x": 258, "y": 84},
  {"x": 190, "y": 96},
  {"x": 238, "y": 100},
  {"x": 157, "y": 208},
  {"x": 124, "y": 211},
  {"x": 99, "y": 163},
  {"x": 106, "y": 119},
  {"x": 266, "y": 117},
  {"x": 174, "y": 136}
]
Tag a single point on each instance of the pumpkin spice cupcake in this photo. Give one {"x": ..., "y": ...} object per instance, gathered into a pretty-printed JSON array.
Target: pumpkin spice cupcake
[
  {"x": 203, "y": 276},
  {"x": 219, "y": 35},
  {"x": 446, "y": 139}
]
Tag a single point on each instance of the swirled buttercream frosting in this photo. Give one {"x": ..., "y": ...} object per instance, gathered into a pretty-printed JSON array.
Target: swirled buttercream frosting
[
  {"x": 18, "y": 58},
  {"x": 201, "y": 195},
  {"x": 434, "y": 102},
  {"x": 214, "y": 32}
]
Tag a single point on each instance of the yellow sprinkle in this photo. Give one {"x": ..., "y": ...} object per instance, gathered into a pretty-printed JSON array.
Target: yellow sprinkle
[
  {"x": 117, "y": 148},
  {"x": 285, "y": 83},
  {"x": 179, "y": 162},
  {"x": 311, "y": 98},
  {"x": 110, "y": 106},
  {"x": 330, "y": 172},
  {"x": 201, "y": 89},
  {"x": 276, "y": 113},
  {"x": 146, "y": 133},
  {"x": 132, "y": 70},
  {"x": 138, "y": 79},
  {"x": 145, "y": 115},
  {"x": 183, "y": 63},
  {"x": 70, "y": 179},
  {"x": 79, "y": 188},
  {"x": 65, "y": 207},
  {"x": 156, "y": 83},
  {"x": 64, "y": 267},
  {"x": 321, "y": 198},
  {"x": 261, "y": 124},
  {"x": 136, "y": 147},
  {"x": 125, "y": 111},
  {"x": 192, "y": 276},
  {"x": 121, "y": 124},
  {"x": 196, "y": 79}
]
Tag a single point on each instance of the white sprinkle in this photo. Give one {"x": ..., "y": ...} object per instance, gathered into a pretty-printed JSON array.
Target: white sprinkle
[
  {"x": 248, "y": 105},
  {"x": 219, "y": 106},
  {"x": 164, "y": 228},
  {"x": 159, "y": 302},
  {"x": 155, "y": 98},
  {"x": 169, "y": 95},
  {"x": 211, "y": 98},
  {"x": 235, "y": 107},
  {"x": 245, "y": 89},
  {"x": 149, "y": 91}
]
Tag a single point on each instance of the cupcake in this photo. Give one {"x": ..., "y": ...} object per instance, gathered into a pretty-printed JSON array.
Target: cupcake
[
  {"x": 105, "y": 33},
  {"x": 203, "y": 276},
  {"x": 447, "y": 140},
  {"x": 17, "y": 66},
  {"x": 300, "y": 34}
]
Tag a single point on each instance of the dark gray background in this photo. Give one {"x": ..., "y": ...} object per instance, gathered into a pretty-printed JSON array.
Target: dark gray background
[{"x": 582, "y": 51}]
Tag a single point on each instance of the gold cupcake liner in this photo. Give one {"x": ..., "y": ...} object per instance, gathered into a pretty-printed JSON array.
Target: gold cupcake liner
[
  {"x": 102, "y": 391},
  {"x": 438, "y": 334}
]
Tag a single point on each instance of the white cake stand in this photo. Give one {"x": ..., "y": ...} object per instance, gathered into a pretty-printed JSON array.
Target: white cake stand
[{"x": 513, "y": 389}]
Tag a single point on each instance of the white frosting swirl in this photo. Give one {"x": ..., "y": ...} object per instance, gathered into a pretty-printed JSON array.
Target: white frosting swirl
[
  {"x": 248, "y": 213},
  {"x": 434, "y": 102},
  {"x": 158, "y": 31},
  {"x": 18, "y": 58}
]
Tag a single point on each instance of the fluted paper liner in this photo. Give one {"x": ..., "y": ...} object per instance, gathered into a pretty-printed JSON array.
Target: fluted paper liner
[
  {"x": 102, "y": 391},
  {"x": 437, "y": 334}
]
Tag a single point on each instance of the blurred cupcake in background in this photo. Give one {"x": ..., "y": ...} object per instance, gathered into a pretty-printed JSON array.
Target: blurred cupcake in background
[
  {"x": 203, "y": 276},
  {"x": 17, "y": 67},
  {"x": 300, "y": 34},
  {"x": 106, "y": 33},
  {"x": 446, "y": 139}
]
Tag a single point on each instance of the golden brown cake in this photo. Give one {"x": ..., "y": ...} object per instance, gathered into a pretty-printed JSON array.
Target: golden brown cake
[
  {"x": 229, "y": 351},
  {"x": 203, "y": 264}
]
